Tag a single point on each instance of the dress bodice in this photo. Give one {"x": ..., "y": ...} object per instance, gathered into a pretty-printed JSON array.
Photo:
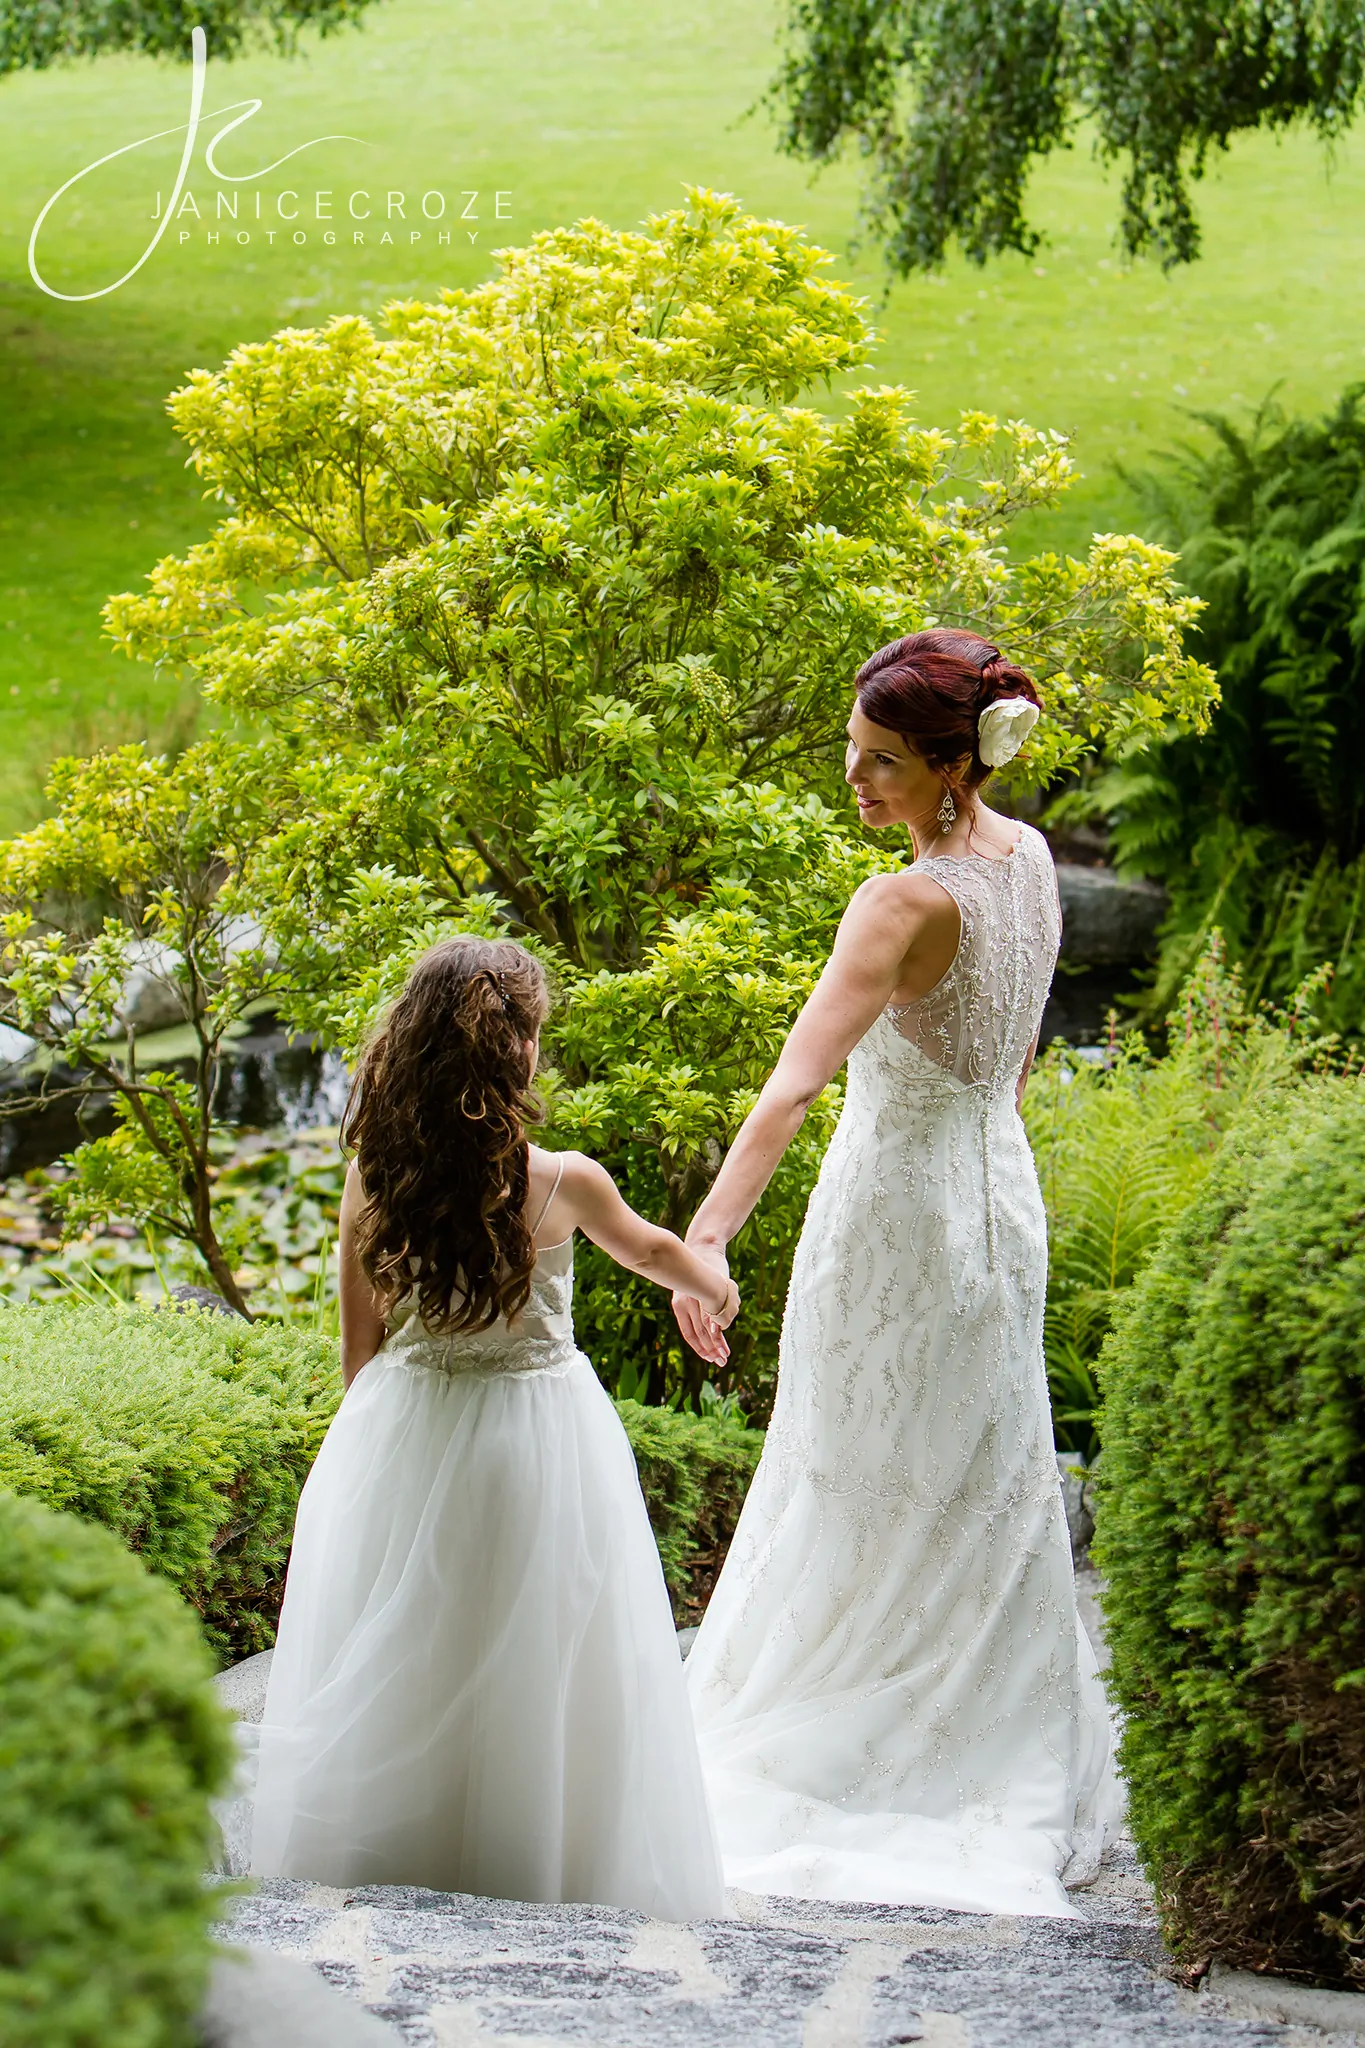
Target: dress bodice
[
  {"x": 539, "y": 1339},
  {"x": 979, "y": 1021}
]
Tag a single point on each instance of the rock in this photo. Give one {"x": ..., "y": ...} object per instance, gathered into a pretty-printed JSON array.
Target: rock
[
  {"x": 258, "y": 1999},
  {"x": 186, "y": 1296},
  {"x": 151, "y": 998},
  {"x": 15, "y": 1046},
  {"x": 1248, "y": 1995},
  {"x": 1105, "y": 921},
  {"x": 443, "y": 1968},
  {"x": 241, "y": 1688},
  {"x": 1089, "y": 1601},
  {"x": 686, "y": 1638},
  {"x": 1088, "y": 1502},
  {"x": 1071, "y": 1470}
]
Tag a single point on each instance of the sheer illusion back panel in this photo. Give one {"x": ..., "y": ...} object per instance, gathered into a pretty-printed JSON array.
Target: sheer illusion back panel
[{"x": 979, "y": 1021}]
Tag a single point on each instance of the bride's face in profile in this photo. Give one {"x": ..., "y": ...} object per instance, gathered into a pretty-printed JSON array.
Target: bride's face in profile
[{"x": 893, "y": 785}]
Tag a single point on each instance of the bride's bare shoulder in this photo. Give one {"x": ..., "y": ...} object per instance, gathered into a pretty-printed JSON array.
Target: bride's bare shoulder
[{"x": 905, "y": 895}]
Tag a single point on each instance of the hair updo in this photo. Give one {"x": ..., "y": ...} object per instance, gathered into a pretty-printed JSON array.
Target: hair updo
[
  {"x": 932, "y": 688},
  {"x": 437, "y": 1116}
]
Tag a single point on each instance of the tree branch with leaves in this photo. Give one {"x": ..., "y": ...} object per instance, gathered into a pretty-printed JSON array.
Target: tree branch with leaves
[
  {"x": 35, "y": 34},
  {"x": 952, "y": 102},
  {"x": 139, "y": 869}
]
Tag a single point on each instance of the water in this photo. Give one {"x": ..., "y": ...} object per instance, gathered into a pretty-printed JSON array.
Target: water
[{"x": 264, "y": 1083}]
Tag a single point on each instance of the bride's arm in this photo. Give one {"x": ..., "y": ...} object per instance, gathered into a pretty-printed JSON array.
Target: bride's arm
[{"x": 884, "y": 921}]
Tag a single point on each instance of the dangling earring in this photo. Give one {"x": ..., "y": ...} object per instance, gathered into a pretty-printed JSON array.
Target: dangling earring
[{"x": 947, "y": 811}]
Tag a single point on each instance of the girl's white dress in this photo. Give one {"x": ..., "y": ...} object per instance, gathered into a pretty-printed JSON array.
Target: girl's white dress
[
  {"x": 477, "y": 1684},
  {"x": 895, "y": 1697}
]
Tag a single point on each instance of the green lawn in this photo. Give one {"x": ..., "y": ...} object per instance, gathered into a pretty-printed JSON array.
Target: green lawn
[{"x": 608, "y": 108}]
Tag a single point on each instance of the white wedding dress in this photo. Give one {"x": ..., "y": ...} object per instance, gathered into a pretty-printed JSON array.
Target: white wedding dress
[
  {"x": 476, "y": 1685},
  {"x": 895, "y": 1698}
]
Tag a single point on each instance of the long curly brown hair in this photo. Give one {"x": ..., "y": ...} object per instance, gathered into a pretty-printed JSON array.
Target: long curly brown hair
[{"x": 437, "y": 1119}]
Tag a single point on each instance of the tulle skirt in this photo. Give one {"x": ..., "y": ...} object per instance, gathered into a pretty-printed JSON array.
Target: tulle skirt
[{"x": 477, "y": 1685}]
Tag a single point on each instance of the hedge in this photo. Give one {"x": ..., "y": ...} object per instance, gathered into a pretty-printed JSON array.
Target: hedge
[
  {"x": 694, "y": 1473},
  {"x": 111, "y": 1743},
  {"x": 1232, "y": 1535},
  {"x": 190, "y": 1436}
]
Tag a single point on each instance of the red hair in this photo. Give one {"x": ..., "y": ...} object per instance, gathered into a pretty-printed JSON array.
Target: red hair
[{"x": 932, "y": 687}]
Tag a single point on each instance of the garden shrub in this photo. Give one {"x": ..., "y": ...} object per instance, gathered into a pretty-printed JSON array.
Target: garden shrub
[
  {"x": 1121, "y": 1149},
  {"x": 188, "y": 1435},
  {"x": 694, "y": 1473},
  {"x": 111, "y": 1744},
  {"x": 1232, "y": 1535}
]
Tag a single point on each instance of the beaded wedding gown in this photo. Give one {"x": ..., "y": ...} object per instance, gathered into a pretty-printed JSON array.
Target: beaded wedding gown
[
  {"x": 477, "y": 1685},
  {"x": 895, "y": 1698}
]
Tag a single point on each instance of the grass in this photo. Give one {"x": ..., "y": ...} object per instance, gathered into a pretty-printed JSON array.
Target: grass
[{"x": 609, "y": 109}]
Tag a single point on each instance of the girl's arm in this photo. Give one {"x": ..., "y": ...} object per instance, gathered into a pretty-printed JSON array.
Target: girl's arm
[
  {"x": 1025, "y": 1071},
  {"x": 879, "y": 931},
  {"x": 589, "y": 1199},
  {"x": 362, "y": 1326}
]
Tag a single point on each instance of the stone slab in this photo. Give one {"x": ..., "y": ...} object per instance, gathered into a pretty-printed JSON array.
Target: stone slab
[
  {"x": 1274, "y": 1998},
  {"x": 258, "y": 1999},
  {"x": 1106, "y": 921},
  {"x": 441, "y": 1970},
  {"x": 241, "y": 1688}
]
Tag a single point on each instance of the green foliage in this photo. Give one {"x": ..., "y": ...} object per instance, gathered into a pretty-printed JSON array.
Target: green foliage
[
  {"x": 694, "y": 1473},
  {"x": 190, "y": 1436},
  {"x": 111, "y": 1744},
  {"x": 954, "y": 104},
  {"x": 37, "y": 33},
  {"x": 1122, "y": 1150},
  {"x": 1231, "y": 1534},
  {"x": 564, "y": 591},
  {"x": 187, "y": 1434},
  {"x": 1260, "y": 829},
  {"x": 138, "y": 872}
]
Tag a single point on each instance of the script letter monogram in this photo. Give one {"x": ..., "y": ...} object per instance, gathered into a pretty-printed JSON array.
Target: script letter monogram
[{"x": 243, "y": 109}]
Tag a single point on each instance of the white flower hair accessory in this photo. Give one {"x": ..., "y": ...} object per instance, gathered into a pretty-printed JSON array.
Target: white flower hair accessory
[{"x": 1002, "y": 729}]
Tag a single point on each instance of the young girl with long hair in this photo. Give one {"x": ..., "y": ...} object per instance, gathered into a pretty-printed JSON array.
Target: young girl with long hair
[{"x": 477, "y": 1685}]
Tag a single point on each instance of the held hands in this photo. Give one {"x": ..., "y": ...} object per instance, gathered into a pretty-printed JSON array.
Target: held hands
[{"x": 701, "y": 1323}]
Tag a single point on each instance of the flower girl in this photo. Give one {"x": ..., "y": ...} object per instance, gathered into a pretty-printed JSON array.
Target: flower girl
[{"x": 477, "y": 1685}]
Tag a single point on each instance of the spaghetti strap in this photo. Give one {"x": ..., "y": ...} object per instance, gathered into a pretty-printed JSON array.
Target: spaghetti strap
[{"x": 554, "y": 1190}]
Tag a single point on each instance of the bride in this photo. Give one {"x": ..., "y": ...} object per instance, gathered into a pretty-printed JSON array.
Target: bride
[{"x": 894, "y": 1695}]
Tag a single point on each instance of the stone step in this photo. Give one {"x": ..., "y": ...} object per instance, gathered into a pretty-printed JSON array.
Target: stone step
[
  {"x": 445, "y": 1971},
  {"x": 442, "y": 1970}
]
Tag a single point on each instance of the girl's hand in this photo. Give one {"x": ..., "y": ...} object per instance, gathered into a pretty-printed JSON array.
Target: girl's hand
[
  {"x": 701, "y": 1325},
  {"x": 700, "y": 1330}
]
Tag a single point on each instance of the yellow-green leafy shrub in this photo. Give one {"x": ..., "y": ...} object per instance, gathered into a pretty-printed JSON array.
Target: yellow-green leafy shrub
[
  {"x": 1232, "y": 1533},
  {"x": 111, "y": 1744}
]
